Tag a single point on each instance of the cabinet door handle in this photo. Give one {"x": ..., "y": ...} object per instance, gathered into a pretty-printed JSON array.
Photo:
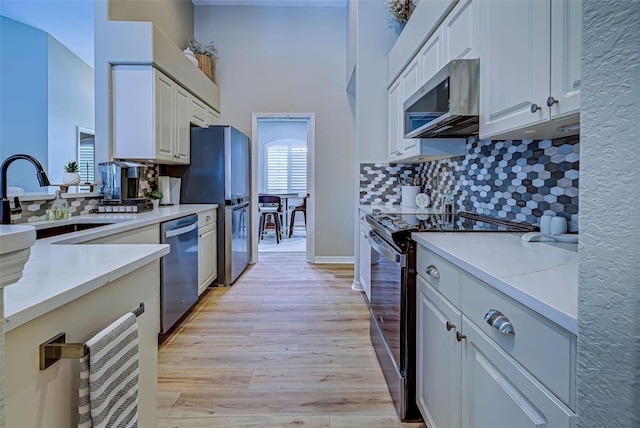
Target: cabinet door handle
[
  {"x": 207, "y": 218},
  {"x": 497, "y": 320},
  {"x": 460, "y": 336},
  {"x": 551, "y": 101},
  {"x": 432, "y": 271},
  {"x": 535, "y": 107},
  {"x": 450, "y": 326}
]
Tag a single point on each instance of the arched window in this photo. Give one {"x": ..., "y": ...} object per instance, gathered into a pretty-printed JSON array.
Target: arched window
[{"x": 286, "y": 166}]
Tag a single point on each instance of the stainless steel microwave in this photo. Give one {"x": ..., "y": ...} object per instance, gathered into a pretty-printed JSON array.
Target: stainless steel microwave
[{"x": 447, "y": 105}]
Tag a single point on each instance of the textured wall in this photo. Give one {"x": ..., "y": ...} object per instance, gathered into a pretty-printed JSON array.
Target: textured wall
[
  {"x": 609, "y": 290},
  {"x": 518, "y": 180}
]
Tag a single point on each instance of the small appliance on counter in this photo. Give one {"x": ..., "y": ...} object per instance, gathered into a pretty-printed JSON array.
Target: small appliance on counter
[{"x": 120, "y": 188}]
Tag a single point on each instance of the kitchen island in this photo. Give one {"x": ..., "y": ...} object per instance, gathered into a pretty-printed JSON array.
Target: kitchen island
[{"x": 77, "y": 285}]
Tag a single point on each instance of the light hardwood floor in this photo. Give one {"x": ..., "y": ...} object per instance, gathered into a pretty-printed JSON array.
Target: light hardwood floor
[{"x": 286, "y": 346}]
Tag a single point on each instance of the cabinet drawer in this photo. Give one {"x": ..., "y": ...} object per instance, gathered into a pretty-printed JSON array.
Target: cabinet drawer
[
  {"x": 547, "y": 351},
  {"x": 447, "y": 281},
  {"x": 206, "y": 218}
]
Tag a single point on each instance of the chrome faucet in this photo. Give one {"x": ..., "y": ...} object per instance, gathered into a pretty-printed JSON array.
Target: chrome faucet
[{"x": 5, "y": 207}]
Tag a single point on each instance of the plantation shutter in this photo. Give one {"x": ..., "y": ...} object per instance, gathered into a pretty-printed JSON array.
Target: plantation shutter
[
  {"x": 298, "y": 170},
  {"x": 286, "y": 168},
  {"x": 87, "y": 162}
]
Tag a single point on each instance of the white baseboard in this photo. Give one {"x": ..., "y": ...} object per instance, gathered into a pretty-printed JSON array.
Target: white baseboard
[
  {"x": 333, "y": 260},
  {"x": 356, "y": 286}
]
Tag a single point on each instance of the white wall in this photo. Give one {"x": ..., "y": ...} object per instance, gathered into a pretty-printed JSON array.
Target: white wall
[
  {"x": 292, "y": 60},
  {"x": 47, "y": 91},
  {"x": 609, "y": 291},
  {"x": 23, "y": 97},
  {"x": 173, "y": 17},
  {"x": 70, "y": 104}
]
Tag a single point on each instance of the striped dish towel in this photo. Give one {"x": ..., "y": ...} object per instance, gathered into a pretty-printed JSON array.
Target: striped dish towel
[{"x": 109, "y": 377}]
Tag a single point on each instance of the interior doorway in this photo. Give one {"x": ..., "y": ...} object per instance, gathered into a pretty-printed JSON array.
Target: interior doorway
[{"x": 283, "y": 151}]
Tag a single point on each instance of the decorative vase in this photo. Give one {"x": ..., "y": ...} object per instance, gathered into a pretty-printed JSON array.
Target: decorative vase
[
  {"x": 71, "y": 178},
  {"x": 156, "y": 203},
  {"x": 190, "y": 56}
]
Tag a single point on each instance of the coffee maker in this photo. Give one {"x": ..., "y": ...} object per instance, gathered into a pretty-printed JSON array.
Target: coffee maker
[{"x": 120, "y": 187}]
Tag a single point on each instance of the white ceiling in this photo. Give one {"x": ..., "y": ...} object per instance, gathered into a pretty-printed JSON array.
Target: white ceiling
[
  {"x": 68, "y": 21},
  {"x": 71, "y": 21}
]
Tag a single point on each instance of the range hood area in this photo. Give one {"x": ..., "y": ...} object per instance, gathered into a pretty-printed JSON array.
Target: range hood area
[{"x": 447, "y": 106}]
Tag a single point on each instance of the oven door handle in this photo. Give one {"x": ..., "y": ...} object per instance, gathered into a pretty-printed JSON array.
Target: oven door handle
[{"x": 385, "y": 250}]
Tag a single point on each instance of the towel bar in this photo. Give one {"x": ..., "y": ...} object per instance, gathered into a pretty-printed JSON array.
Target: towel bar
[{"x": 56, "y": 348}]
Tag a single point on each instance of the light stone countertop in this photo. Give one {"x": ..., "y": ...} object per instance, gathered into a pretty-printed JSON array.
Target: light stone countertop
[
  {"x": 58, "y": 272},
  {"x": 399, "y": 209},
  {"x": 542, "y": 276}
]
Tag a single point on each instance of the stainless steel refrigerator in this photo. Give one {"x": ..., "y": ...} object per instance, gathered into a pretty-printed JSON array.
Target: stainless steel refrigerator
[{"x": 219, "y": 173}]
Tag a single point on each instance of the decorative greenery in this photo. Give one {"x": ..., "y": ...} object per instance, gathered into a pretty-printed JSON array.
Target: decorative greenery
[
  {"x": 72, "y": 167},
  {"x": 401, "y": 9},
  {"x": 154, "y": 194},
  {"x": 203, "y": 49}
]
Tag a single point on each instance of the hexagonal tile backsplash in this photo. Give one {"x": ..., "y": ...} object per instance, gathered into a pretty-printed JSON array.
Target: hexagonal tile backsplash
[{"x": 518, "y": 180}]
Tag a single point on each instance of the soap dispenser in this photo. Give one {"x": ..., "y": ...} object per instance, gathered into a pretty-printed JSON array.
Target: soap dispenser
[{"x": 59, "y": 208}]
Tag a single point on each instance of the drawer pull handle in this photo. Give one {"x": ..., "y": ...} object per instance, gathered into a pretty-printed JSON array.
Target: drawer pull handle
[
  {"x": 207, "y": 218},
  {"x": 497, "y": 320},
  {"x": 432, "y": 271},
  {"x": 450, "y": 326}
]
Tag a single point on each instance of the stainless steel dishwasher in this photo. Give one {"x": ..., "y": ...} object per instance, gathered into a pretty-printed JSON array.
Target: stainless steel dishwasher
[{"x": 178, "y": 269}]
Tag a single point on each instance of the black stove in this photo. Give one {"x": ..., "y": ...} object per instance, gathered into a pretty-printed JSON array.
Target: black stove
[{"x": 398, "y": 227}]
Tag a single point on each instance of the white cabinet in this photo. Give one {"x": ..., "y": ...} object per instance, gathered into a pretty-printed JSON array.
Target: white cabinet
[
  {"x": 455, "y": 38},
  {"x": 198, "y": 113},
  {"x": 182, "y": 144},
  {"x": 438, "y": 394},
  {"x": 150, "y": 116},
  {"x": 498, "y": 392},
  {"x": 365, "y": 261},
  {"x": 213, "y": 118},
  {"x": 207, "y": 249},
  {"x": 460, "y": 32},
  {"x": 529, "y": 68},
  {"x": 431, "y": 56},
  {"x": 470, "y": 374}
]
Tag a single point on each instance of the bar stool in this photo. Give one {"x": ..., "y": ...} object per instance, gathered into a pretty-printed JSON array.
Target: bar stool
[
  {"x": 300, "y": 208},
  {"x": 270, "y": 208}
]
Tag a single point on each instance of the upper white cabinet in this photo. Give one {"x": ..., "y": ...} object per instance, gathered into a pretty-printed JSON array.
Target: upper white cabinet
[
  {"x": 198, "y": 113},
  {"x": 456, "y": 37},
  {"x": 152, "y": 116},
  {"x": 213, "y": 118},
  {"x": 460, "y": 32},
  {"x": 529, "y": 68}
]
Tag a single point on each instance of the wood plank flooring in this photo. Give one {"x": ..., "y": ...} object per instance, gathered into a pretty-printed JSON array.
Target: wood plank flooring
[{"x": 286, "y": 346}]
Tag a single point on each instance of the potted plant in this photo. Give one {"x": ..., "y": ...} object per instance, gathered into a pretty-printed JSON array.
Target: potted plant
[
  {"x": 71, "y": 176},
  {"x": 205, "y": 54},
  {"x": 401, "y": 9},
  {"x": 155, "y": 196}
]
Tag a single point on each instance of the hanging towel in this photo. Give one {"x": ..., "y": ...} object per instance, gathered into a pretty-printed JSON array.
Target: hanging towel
[{"x": 109, "y": 377}]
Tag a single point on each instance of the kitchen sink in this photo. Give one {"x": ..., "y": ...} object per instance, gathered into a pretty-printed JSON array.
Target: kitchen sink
[{"x": 66, "y": 228}]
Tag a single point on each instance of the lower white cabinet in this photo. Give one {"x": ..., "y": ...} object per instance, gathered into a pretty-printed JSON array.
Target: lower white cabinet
[
  {"x": 207, "y": 250},
  {"x": 439, "y": 358},
  {"x": 365, "y": 261},
  {"x": 499, "y": 392},
  {"x": 468, "y": 378}
]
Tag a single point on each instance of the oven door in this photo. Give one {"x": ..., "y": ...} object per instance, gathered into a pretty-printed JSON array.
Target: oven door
[{"x": 386, "y": 314}]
